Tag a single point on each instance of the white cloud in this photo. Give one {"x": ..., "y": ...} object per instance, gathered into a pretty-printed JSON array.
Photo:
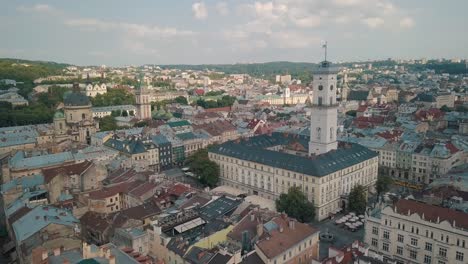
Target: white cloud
[
  {"x": 222, "y": 8},
  {"x": 407, "y": 22},
  {"x": 373, "y": 22},
  {"x": 37, "y": 8},
  {"x": 132, "y": 29},
  {"x": 294, "y": 40},
  {"x": 199, "y": 10}
]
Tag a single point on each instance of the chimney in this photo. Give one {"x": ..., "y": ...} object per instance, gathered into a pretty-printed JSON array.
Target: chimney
[
  {"x": 281, "y": 229},
  {"x": 111, "y": 259},
  {"x": 45, "y": 255},
  {"x": 259, "y": 230},
  {"x": 56, "y": 251},
  {"x": 252, "y": 217},
  {"x": 291, "y": 224}
]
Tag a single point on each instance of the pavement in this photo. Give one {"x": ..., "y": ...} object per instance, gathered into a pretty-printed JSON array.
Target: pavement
[{"x": 343, "y": 237}]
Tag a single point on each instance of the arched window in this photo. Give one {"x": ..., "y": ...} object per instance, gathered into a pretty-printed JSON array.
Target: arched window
[
  {"x": 331, "y": 87},
  {"x": 83, "y": 116},
  {"x": 320, "y": 87},
  {"x": 319, "y": 130},
  {"x": 60, "y": 125}
]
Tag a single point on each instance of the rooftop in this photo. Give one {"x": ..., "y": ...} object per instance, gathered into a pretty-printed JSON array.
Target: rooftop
[
  {"x": 432, "y": 213},
  {"x": 40, "y": 217},
  {"x": 254, "y": 149}
]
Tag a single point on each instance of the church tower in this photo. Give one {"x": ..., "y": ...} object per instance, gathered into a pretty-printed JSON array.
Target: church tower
[
  {"x": 143, "y": 105},
  {"x": 324, "y": 116}
]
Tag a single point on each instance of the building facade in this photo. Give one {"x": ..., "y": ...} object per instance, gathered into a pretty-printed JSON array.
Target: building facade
[{"x": 415, "y": 232}]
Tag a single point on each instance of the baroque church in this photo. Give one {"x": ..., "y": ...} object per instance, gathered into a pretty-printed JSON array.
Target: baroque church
[{"x": 75, "y": 120}]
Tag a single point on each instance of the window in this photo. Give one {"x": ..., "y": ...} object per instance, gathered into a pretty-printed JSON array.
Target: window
[
  {"x": 374, "y": 242},
  {"x": 375, "y": 230},
  {"x": 320, "y": 87},
  {"x": 399, "y": 250},
  {"x": 428, "y": 246},
  {"x": 400, "y": 238},
  {"x": 459, "y": 256},
  {"x": 331, "y": 87},
  {"x": 414, "y": 241},
  {"x": 385, "y": 247},
  {"x": 427, "y": 259},
  {"x": 413, "y": 254},
  {"x": 443, "y": 252},
  {"x": 386, "y": 234}
]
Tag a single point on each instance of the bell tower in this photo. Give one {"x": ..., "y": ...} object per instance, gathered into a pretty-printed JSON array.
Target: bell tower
[
  {"x": 324, "y": 114},
  {"x": 143, "y": 105}
]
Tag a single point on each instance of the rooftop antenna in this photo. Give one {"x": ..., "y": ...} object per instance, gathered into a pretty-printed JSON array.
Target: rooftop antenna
[{"x": 325, "y": 46}]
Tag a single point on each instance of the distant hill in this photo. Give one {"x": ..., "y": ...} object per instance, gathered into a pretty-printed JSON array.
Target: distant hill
[{"x": 27, "y": 71}]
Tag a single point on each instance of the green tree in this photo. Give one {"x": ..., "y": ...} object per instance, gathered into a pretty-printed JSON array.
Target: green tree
[
  {"x": 351, "y": 113},
  {"x": 358, "y": 199},
  {"x": 206, "y": 170},
  {"x": 383, "y": 184},
  {"x": 181, "y": 100},
  {"x": 107, "y": 123},
  {"x": 114, "y": 97},
  {"x": 116, "y": 113},
  {"x": 445, "y": 108},
  {"x": 296, "y": 205}
]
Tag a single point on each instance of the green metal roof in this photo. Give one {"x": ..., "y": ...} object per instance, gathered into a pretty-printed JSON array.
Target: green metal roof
[{"x": 254, "y": 150}]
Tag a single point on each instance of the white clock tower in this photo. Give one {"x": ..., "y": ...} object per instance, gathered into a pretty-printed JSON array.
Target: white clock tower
[{"x": 323, "y": 120}]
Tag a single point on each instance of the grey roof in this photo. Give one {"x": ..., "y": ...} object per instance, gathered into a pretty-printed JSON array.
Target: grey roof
[
  {"x": 219, "y": 207},
  {"x": 127, "y": 146},
  {"x": 254, "y": 150}
]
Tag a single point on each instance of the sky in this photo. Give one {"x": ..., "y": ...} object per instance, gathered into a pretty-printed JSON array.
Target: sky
[{"x": 136, "y": 32}]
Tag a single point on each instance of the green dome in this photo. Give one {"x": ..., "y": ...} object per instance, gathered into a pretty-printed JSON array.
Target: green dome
[{"x": 59, "y": 114}]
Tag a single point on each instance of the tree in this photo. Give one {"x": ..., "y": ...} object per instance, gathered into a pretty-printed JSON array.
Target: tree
[
  {"x": 181, "y": 100},
  {"x": 445, "y": 108},
  {"x": 296, "y": 205},
  {"x": 358, "y": 199},
  {"x": 131, "y": 113},
  {"x": 116, "y": 113},
  {"x": 383, "y": 184},
  {"x": 206, "y": 170},
  {"x": 114, "y": 97},
  {"x": 351, "y": 113},
  {"x": 108, "y": 123}
]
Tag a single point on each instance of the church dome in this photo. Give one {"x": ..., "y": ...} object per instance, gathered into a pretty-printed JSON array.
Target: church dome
[{"x": 76, "y": 99}]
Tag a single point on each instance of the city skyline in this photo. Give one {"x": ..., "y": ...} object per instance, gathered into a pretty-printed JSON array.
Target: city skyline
[{"x": 215, "y": 32}]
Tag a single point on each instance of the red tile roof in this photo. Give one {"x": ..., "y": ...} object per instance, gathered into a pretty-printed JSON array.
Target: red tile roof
[
  {"x": 432, "y": 213},
  {"x": 279, "y": 242}
]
